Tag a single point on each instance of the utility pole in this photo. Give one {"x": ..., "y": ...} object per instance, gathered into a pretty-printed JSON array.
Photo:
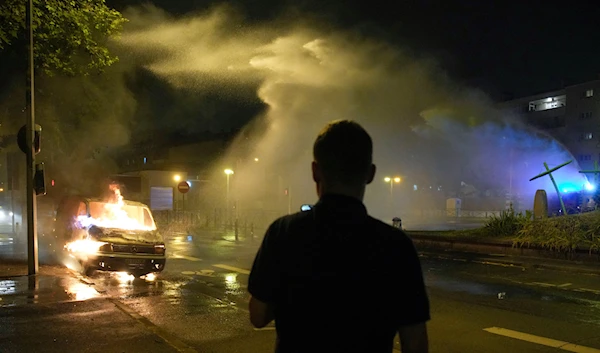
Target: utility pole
[{"x": 32, "y": 241}]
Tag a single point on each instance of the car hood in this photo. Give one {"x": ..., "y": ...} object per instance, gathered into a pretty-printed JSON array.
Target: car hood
[{"x": 114, "y": 235}]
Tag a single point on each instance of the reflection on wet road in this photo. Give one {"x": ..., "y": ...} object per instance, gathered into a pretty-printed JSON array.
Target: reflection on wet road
[{"x": 201, "y": 297}]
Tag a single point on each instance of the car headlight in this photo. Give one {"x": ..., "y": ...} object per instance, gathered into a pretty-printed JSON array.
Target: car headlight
[{"x": 159, "y": 249}]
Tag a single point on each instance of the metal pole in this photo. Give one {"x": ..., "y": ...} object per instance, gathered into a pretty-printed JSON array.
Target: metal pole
[
  {"x": 562, "y": 204},
  {"x": 32, "y": 241}
]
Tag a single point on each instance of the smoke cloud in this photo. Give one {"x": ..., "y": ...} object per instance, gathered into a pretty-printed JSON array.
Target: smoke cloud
[{"x": 442, "y": 139}]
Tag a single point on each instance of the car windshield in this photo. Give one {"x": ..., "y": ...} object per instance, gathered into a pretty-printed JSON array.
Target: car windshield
[{"x": 121, "y": 216}]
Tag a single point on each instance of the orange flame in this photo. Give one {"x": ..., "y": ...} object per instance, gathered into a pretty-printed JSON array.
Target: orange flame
[{"x": 115, "y": 213}]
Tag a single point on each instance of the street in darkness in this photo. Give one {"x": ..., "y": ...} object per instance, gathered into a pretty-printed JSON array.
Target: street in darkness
[{"x": 199, "y": 304}]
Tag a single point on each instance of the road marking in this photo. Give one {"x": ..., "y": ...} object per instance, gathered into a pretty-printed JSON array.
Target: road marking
[
  {"x": 496, "y": 263},
  {"x": 589, "y": 290},
  {"x": 543, "y": 284},
  {"x": 167, "y": 337},
  {"x": 231, "y": 268},
  {"x": 190, "y": 258},
  {"x": 549, "y": 342},
  {"x": 266, "y": 328},
  {"x": 564, "y": 285}
]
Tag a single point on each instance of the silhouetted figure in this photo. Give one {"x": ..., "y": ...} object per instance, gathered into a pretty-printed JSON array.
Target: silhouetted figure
[{"x": 333, "y": 278}]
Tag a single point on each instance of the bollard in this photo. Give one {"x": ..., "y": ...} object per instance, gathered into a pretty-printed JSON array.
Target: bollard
[
  {"x": 397, "y": 222},
  {"x": 235, "y": 225}
]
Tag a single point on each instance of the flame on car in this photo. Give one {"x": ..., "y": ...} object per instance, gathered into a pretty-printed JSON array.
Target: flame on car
[
  {"x": 84, "y": 246},
  {"x": 115, "y": 213}
]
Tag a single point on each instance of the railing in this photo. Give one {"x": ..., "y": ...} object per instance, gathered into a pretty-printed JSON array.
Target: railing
[
  {"x": 244, "y": 223},
  {"x": 449, "y": 213}
]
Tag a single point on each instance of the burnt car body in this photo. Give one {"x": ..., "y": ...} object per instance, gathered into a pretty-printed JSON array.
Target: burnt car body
[{"x": 131, "y": 243}]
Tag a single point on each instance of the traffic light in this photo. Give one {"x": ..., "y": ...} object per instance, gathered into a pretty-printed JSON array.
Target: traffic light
[{"x": 39, "y": 180}]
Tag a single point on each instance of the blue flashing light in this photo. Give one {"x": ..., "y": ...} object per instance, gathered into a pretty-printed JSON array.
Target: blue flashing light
[{"x": 589, "y": 187}]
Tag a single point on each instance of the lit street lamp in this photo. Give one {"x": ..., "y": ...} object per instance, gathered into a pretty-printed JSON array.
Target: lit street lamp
[
  {"x": 177, "y": 177},
  {"x": 228, "y": 172},
  {"x": 392, "y": 181}
]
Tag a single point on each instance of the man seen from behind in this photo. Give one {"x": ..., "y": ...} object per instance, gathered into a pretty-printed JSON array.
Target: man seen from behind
[{"x": 333, "y": 278}]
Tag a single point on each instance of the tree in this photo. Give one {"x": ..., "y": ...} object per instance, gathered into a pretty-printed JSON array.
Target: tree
[{"x": 70, "y": 36}]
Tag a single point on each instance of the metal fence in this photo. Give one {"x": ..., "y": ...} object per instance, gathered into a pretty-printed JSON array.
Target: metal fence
[
  {"x": 244, "y": 222},
  {"x": 449, "y": 213}
]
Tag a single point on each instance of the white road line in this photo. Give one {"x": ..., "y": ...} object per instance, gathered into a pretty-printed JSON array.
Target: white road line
[
  {"x": 231, "y": 268},
  {"x": 564, "y": 285},
  {"x": 590, "y": 290},
  {"x": 543, "y": 284},
  {"x": 495, "y": 263},
  {"x": 189, "y": 258},
  {"x": 549, "y": 342}
]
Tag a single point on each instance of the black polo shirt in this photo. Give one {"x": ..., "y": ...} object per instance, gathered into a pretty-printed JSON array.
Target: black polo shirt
[{"x": 338, "y": 279}]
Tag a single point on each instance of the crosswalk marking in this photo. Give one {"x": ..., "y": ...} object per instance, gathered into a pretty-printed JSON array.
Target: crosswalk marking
[
  {"x": 231, "y": 268},
  {"x": 549, "y": 342}
]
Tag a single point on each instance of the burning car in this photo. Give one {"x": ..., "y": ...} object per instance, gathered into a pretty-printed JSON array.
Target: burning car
[{"x": 110, "y": 235}]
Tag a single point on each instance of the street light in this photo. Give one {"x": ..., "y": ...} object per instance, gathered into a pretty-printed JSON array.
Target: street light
[
  {"x": 393, "y": 180},
  {"x": 228, "y": 172},
  {"x": 177, "y": 177}
]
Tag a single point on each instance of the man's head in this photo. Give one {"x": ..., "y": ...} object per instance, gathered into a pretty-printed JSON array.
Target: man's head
[{"x": 343, "y": 159}]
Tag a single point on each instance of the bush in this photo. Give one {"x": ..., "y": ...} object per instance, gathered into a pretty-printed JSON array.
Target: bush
[
  {"x": 561, "y": 234},
  {"x": 509, "y": 223}
]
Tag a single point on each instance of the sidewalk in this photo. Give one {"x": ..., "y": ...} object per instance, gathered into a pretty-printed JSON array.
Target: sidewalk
[{"x": 55, "y": 311}]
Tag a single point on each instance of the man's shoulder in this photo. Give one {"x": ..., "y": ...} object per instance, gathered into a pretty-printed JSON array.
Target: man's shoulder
[{"x": 290, "y": 222}]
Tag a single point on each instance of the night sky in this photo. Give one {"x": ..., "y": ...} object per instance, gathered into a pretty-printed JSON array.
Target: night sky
[{"x": 503, "y": 47}]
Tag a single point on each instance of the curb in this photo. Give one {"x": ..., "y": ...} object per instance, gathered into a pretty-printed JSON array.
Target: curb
[{"x": 523, "y": 262}]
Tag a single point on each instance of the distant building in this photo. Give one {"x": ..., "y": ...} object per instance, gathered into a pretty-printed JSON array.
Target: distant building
[{"x": 571, "y": 115}]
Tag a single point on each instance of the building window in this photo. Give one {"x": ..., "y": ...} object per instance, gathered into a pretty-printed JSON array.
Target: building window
[
  {"x": 588, "y": 136},
  {"x": 548, "y": 103},
  {"x": 585, "y": 116},
  {"x": 589, "y": 93}
]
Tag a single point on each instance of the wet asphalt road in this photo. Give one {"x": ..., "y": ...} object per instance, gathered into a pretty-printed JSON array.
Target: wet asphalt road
[{"x": 200, "y": 303}]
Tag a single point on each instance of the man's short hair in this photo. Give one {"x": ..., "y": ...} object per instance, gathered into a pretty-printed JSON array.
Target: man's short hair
[{"x": 344, "y": 152}]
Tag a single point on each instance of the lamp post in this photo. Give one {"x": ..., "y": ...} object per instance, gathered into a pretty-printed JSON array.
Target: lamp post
[
  {"x": 393, "y": 180},
  {"x": 228, "y": 172}
]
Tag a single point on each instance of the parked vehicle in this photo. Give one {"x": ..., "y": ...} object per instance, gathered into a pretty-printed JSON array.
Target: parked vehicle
[{"x": 110, "y": 236}]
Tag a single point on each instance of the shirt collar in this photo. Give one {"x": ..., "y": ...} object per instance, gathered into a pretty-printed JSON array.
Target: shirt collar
[{"x": 341, "y": 204}]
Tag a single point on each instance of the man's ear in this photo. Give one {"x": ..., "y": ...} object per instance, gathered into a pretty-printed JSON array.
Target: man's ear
[
  {"x": 371, "y": 174},
  {"x": 316, "y": 172}
]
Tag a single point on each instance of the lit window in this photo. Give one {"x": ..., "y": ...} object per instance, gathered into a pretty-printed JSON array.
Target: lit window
[
  {"x": 145, "y": 160},
  {"x": 588, "y": 136},
  {"x": 589, "y": 93}
]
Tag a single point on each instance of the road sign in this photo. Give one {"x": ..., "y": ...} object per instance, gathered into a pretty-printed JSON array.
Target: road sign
[{"x": 183, "y": 187}]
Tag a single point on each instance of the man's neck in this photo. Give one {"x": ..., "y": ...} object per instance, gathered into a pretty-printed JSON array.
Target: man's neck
[{"x": 345, "y": 191}]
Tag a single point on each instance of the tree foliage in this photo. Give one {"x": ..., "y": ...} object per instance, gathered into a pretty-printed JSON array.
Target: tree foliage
[{"x": 70, "y": 36}]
